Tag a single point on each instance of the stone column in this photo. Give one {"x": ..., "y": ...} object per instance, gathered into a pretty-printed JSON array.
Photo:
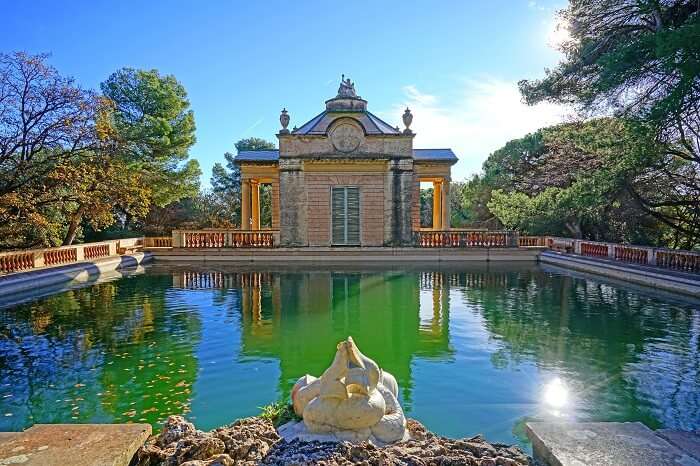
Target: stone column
[
  {"x": 400, "y": 195},
  {"x": 255, "y": 205},
  {"x": 445, "y": 208},
  {"x": 275, "y": 204},
  {"x": 293, "y": 216},
  {"x": 437, "y": 205},
  {"x": 245, "y": 205}
]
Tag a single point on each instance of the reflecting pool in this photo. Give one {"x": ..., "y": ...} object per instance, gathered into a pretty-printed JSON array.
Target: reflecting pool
[{"x": 477, "y": 349}]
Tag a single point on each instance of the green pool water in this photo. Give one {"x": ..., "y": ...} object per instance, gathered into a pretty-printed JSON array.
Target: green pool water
[{"x": 479, "y": 349}]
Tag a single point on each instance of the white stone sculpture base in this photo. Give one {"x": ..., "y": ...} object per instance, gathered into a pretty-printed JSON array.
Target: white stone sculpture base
[{"x": 296, "y": 430}]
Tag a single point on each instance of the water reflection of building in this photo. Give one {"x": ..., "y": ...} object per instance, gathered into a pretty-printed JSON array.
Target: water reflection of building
[{"x": 298, "y": 318}]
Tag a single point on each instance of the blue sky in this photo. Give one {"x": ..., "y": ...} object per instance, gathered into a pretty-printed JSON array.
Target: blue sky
[{"x": 455, "y": 63}]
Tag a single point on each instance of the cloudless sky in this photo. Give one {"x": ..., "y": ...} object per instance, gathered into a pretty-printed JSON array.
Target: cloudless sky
[{"x": 241, "y": 62}]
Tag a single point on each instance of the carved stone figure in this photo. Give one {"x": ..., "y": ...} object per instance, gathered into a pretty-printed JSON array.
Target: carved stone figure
[
  {"x": 347, "y": 88},
  {"x": 353, "y": 400}
]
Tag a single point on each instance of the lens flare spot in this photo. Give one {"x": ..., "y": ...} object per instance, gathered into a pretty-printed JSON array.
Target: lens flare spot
[{"x": 556, "y": 394}]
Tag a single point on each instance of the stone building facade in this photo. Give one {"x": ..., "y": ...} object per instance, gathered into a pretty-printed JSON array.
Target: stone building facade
[{"x": 345, "y": 178}]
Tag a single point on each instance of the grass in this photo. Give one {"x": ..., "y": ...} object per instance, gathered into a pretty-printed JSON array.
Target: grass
[{"x": 278, "y": 413}]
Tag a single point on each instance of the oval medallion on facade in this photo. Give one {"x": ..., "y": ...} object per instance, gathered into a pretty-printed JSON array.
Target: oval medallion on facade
[{"x": 346, "y": 137}]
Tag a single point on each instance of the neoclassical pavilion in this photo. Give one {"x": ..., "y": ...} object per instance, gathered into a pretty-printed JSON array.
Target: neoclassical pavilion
[{"x": 345, "y": 178}]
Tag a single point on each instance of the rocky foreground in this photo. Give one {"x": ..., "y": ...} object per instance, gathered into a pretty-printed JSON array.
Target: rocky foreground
[{"x": 255, "y": 441}]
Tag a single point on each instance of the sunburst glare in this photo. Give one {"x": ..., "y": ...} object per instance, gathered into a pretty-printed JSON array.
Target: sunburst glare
[
  {"x": 558, "y": 34},
  {"x": 556, "y": 394}
]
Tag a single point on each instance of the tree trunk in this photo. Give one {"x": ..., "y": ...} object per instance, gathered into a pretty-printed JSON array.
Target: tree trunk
[
  {"x": 76, "y": 218},
  {"x": 574, "y": 228}
]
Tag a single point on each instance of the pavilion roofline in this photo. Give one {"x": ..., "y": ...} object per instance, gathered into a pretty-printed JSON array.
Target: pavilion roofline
[{"x": 444, "y": 155}]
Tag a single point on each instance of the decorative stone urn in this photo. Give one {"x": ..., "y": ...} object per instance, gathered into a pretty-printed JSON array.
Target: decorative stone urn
[
  {"x": 284, "y": 120},
  {"x": 407, "y": 120},
  {"x": 354, "y": 400}
]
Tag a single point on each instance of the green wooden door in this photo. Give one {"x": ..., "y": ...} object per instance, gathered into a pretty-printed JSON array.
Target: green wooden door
[{"x": 345, "y": 215}]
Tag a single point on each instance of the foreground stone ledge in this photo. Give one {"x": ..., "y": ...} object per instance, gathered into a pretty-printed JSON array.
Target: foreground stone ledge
[
  {"x": 70, "y": 274},
  {"x": 73, "y": 444},
  {"x": 348, "y": 254},
  {"x": 610, "y": 444},
  {"x": 651, "y": 277}
]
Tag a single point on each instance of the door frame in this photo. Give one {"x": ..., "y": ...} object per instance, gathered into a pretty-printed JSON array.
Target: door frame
[{"x": 359, "y": 214}]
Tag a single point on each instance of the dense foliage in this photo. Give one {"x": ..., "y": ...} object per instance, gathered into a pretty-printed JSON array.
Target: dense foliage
[
  {"x": 639, "y": 59},
  {"x": 629, "y": 170},
  {"x": 73, "y": 160},
  {"x": 219, "y": 207}
]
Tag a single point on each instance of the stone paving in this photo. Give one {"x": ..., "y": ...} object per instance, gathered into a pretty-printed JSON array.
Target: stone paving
[
  {"x": 611, "y": 444},
  {"x": 73, "y": 444}
]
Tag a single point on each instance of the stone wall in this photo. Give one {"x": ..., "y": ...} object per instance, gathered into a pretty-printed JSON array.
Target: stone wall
[
  {"x": 318, "y": 189},
  {"x": 295, "y": 146}
]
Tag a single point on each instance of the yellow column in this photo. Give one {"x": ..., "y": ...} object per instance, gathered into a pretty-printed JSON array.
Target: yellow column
[
  {"x": 245, "y": 205},
  {"x": 255, "y": 205},
  {"x": 437, "y": 205},
  {"x": 275, "y": 204},
  {"x": 445, "y": 194}
]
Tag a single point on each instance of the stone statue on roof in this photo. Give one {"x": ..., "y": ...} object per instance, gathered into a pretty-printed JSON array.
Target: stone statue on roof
[{"x": 347, "y": 88}]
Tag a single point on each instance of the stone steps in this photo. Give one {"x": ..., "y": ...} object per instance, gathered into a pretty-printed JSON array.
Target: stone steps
[
  {"x": 611, "y": 444},
  {"x": 73, "y": 444}
]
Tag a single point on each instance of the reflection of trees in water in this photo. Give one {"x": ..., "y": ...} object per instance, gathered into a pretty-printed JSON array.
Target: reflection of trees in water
[
  {"x": 629, "y": 356},
  {"x": 666, "y": 373},
  {"x": 95, "y": 354}
]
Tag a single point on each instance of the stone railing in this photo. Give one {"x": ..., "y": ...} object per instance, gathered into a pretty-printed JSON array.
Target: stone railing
[
  {"x": 532, "y": 241},
  {"x": 673, "y": 259},
  {"x": 455, "y": 238},
  {"x": 222, "y": 238},
  {"x": 158, "y": 242},
  {"x": 18, "y": 261}
]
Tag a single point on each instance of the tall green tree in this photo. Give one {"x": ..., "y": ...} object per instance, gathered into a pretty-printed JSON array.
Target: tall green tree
[
  {"x": 640, "y": 59},
  {"x": 148, "y": 129},
  {"x": 155, "y": 127}
]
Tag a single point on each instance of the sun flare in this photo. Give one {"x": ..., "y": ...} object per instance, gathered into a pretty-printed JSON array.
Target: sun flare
[
  {"x": 556, "y": 394},
  {"x": 558, "y": 34}
]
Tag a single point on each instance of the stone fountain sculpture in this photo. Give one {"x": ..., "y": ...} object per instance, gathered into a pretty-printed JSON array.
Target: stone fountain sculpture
[{"x": 353, "y": 400}]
